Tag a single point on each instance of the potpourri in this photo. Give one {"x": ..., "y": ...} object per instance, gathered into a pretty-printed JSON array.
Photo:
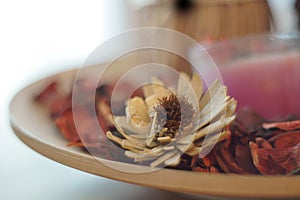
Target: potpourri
[{"x": 172, "y": 128}]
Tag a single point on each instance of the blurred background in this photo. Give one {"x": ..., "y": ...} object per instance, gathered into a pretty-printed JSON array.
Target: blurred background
[{"x": 39, "y": 38}]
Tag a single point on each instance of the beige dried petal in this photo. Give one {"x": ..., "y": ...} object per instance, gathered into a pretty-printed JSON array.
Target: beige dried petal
[
  {"x": 159, "y": 89},
  {"x": 151, "y": 135},
  {"x": 182, "y": 147},
  {"x": 163, "y": 158},
  {"x": 216, "y": 85},
  {"x": 183, "y": 84},
  {"x": 151, "y": 101},
  {"x": 214, "y": 127},
  {"x": 228, "y": 111},
  {"x": 209, "y": 142},
  {"x": 215, "y": 95},
  {"x": 147, "y": 90},
  {"x": 197, "y": 86},
  {"x": 126, "y": 144},
  {"x": 192, "y": 151},
  {"x": 218, "y": 98},
  {"x": 231, "y": 108},
  {"x": 173, "y": 161},
  {"x": 121, "y": 131},
  {"x": 142, "y": 157},
  {"x": 169, "y": 148},
  {"x": 134, "y": 131},
  {"x": 217, "y": 111},
  {"x": 137, "y": 112},
  {"x": 194, "y": 91},
  {"x": 186, "y": 139}
]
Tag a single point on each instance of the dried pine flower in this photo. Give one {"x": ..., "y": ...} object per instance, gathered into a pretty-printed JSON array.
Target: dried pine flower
[{"x": 167, "y": 124}]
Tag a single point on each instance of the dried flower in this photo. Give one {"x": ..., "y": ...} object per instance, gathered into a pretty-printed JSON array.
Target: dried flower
[{"x": 166, "y": 124}]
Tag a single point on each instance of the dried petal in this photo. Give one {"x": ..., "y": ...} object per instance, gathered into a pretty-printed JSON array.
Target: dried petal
[
  {"x": 286, "y": 126},
  {"x": 243, "y": 158},
  {"x": 183, "y": 84},
  {"x": 135, "y": 131},
  {"x": 263, "y": 161},
  {"x": 226, "y": 161},
  {"x": 286, "y": 139},
  {"x": 137, "y": 112}
]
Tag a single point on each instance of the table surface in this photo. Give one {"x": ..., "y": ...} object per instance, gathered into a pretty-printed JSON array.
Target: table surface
[{"x": 40, "y": 38}]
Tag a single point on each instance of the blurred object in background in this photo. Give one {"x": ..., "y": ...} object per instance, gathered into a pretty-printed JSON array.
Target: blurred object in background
[
  {"x": 200, "y": 19},
  {"x": 298, "y": 12},
  {"x": 284, "y": 15},
  {"x": 203, "y": 20}
]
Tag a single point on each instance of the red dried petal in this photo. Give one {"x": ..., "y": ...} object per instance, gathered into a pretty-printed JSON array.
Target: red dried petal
[
  {"x": 286, "y": 126},
  {"x": 58, "y": 106},
  {"x": 209, "y": 160},
  {"x": 54, "y": 100},
  {"x": 48, "y": 95},
  {"x": 226, "y": 160},
  {"x": 286, "y": 139},
  {"x": 264, "y": 161},
  {"x": 200, "y": 169},
  {"x": 243, "y": 158},
  {"x": 263, "y": 143},
  {"x": 66, "y": 125}
]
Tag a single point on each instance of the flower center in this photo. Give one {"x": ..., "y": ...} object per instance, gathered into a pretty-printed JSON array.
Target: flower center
[{"x": 173, "y": 114}]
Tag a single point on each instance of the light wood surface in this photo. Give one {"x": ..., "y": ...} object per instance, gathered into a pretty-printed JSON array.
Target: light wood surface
[{"x": 33, "y": 126}]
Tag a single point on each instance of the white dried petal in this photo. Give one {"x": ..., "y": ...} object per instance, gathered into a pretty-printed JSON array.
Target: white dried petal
[
  {"x": 182, "y": 147},
  {"x": 173, "y": 161},
  {"x": 185, "y": 139},
  {"x": 159, "y": 89},
  {"x": 231, "y": 107},
  {"x": 151, "y": 101},
  {"x": 169, "y": 148},
  {"x": 126, "y": 144},
  {"x": 204, "y": 120},
  {"x": 192, "y": 151},
  {"x": 217, "y": 99},
  {"x": 193, "y": 92},
  {"x": 151, "y": 135},
  {"x": 210, "y": 141},
  {"x": 214, "y": 127},
  {"x": 141, "y": 156},
  {"x": 134, "y": 131},
  {"x": 163, "y": 158},
  {"x": 147, "y": 90},
  {"x": 197, "y": 85},
  {"x": 183, "y": 84},
  {"x": 209, "y": 93},
  {"x": 137, "y": 112}
]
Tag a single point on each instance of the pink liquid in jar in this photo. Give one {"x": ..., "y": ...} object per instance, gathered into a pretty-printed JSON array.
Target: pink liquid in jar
[{"x": 270, "y": 84}]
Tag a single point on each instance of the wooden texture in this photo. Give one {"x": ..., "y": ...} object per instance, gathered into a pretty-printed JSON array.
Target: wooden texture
[
  {"x": 205, "y": 21},
  {"x": 40, "y": 134},
  {"x": 209, "y": 18}
]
